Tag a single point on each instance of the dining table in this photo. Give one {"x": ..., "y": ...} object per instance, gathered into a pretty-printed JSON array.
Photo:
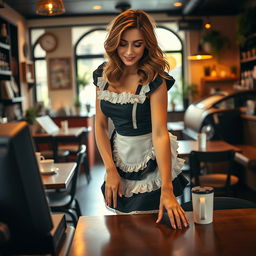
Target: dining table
[
  {"x": 186, "y": 146},
  {"x": 61, "y": 178},
  {"x": 71, "y": 135},
  {"x": 232, "y": 233}
]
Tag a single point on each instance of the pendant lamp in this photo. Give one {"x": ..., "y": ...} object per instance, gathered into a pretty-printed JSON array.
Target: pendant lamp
[
  {"x": 50, "y": 7},
  {"x": 201, "y": 54}
]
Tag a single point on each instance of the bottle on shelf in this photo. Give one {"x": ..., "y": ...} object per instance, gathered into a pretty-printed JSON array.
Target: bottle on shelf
[{"x": 4, "y": 38}]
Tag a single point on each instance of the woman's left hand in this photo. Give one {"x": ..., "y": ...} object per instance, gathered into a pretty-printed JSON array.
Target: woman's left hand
[{"x": 175, "y": 212}]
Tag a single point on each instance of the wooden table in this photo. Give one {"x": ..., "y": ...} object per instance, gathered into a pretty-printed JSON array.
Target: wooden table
[
  {"x": 232, "y": 233},
  {"x": 72, "y": 135},
  {"x": 62, "y": 178},
  {"x": 186, "y": 146}
]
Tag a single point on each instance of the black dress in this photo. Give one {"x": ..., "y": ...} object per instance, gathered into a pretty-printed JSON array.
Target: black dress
[{"x": 132, "y": 147}]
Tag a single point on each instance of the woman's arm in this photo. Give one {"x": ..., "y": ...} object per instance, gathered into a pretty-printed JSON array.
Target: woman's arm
[
  {"x": 113, "y": 182},
  {"x": 161, "y": 142}
]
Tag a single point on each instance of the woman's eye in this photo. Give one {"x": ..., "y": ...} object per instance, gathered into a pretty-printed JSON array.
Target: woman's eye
[{"x": 137, "y": 45}]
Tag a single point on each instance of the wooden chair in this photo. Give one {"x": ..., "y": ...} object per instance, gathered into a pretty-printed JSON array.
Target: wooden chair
[
  {"x": 223, "y": 203},
  {"x": 203, "y": 175},
  {"x": 65, "y": 201}
]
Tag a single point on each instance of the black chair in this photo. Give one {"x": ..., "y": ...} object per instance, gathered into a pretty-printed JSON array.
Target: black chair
[
  {"x": 65, "y": 201},
  {"x": 73, "y": 149},
  {"x": 48, "y": 147},
  {"x": 223, "y": 203},
  {"x": 206, "y": 169}
]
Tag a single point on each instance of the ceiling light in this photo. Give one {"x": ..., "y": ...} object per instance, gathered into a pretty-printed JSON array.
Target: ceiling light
[
  {"x": 50, "y": 7},
  {"x": 177, "y": 4},
  {"x": 97, "y": 7},
  {"x": 200, "y": 54}
]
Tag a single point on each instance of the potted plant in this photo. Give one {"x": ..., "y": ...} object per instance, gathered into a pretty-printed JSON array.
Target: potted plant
[
  {"x": 213, "y": 41},
  {"x": 30, "y": 115},
  {"x": 83, "y": 80},
  {"x": 77, "y": 105},
  {"x": 189, "y": 91}
]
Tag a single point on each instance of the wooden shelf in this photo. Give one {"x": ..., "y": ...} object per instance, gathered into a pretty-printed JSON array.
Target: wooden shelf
[
  {"x": 27, "y": 71},
  {"x": 5, "y": 72},
  {"x": 219, "y": 79},
  {"x": 5, "y": 46},
  {"x": 249, "y": 59}
]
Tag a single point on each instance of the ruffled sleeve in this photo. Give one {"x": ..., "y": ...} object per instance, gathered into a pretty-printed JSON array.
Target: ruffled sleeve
[
  {"x": 97, "y": 74},
  {"x": 158, "y": 81}
]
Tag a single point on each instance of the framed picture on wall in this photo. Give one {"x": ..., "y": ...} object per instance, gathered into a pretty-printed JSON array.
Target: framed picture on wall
[{"x": 59, "y": 70}]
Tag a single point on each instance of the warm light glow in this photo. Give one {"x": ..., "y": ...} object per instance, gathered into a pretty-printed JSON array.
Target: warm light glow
[
  {"x": 177, "y": 4},
  {"x": 50, "y": 7},
  {"x": 200, "y": 57},
  {"x": 207, "y": 25},
  {"x": 97, "y": 7}
]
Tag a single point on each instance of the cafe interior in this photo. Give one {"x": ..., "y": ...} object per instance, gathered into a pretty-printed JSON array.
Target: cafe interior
[{"x": 51, "y": 171}]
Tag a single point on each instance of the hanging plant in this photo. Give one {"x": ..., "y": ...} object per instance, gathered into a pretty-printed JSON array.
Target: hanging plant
[
  {"x": 246, "y": 25},
  {"x": 215, "y": 40}
]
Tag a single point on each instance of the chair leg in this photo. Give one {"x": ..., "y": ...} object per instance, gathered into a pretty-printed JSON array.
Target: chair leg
[
  {"x": 77, "y": 208},
  {"x": 87, "y": 168},
  {"x": 73, "y": 216}
]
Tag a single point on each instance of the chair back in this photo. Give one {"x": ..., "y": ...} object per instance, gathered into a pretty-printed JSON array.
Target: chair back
[
  {"x": 79, "y": 160},
  {"x": 197, "y": 158}
]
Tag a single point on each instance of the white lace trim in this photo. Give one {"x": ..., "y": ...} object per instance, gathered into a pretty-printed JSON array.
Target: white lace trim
[
  {"x": 130, "y": 187},
  {"x": 120, "y": 98}
]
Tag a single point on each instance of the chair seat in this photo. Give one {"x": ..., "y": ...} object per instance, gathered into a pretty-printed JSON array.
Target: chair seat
[
  {"x": 217, "y": 180},
  {"x": 73, "y": 148},
  {"x": 49, "y": 153},
  {"x": 58, "y": 199}
]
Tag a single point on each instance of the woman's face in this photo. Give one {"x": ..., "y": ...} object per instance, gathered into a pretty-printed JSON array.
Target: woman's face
[{"x": 131, "y": 47}]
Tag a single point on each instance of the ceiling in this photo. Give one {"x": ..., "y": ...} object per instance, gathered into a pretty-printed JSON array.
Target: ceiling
[{"x": 85, "y": 7}]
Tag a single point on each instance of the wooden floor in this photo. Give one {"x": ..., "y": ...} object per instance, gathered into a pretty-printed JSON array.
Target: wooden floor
[{"x": 92, "y": 202}]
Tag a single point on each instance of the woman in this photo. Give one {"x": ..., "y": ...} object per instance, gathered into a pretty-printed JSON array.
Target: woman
[{"x": 143, "y": 173}]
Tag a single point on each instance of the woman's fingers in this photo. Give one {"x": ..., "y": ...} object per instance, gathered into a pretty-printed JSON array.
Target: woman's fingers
[
  {"x": 171, "y": 218},
  {"x": 160, "y": 213},
  {"x": 114, "y": 193}
]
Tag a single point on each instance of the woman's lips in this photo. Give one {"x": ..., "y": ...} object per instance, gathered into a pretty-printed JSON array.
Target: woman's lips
[{"x": 129, "y": 59}]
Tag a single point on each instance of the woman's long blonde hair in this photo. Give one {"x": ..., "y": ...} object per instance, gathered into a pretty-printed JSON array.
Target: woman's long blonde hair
[{"x": 152, "y": 62}]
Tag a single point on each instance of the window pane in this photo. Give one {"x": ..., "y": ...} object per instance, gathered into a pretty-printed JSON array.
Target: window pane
[
  {"x": 39, "y": 52},
  {"x": 175, "y": 94},
  {"x": 167, "y": 40},
  {"x": 85, "y": 69},
  {"x": 92, "y": 43},
  {"x": 41, "y": 82}
]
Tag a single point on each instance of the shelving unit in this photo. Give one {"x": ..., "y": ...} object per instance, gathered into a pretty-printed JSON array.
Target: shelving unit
[
  {"x": 222, "y": 83},
  {"x": 248, "y": 62},
  {"x": 27, "y": 71},
  {"x": 10, "y": 92}
]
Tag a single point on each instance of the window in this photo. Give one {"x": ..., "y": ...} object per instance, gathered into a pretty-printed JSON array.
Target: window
[
  {"x": 89, "y": 54},
  {"x": 171, "y": 44},
  {"x": 42, "y": 93}
]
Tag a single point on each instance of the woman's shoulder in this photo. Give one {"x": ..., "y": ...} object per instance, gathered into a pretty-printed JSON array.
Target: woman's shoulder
[
  {"x": 152, "y": 86},
  {"x": 98, "y": 73}
]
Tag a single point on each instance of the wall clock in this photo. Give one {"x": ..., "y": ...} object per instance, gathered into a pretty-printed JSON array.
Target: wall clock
[{"x": 48, "y": 42}]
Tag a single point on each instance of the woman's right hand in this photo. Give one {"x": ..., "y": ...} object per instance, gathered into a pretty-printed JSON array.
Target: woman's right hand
[{"x": 112, "y": 187}]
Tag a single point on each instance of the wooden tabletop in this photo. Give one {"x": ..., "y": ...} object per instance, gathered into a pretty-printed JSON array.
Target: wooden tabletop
[
  {"x": 62, "y": 178},
  {"x": 186, "y": 146},
  {"x": 232, "y": 233}
]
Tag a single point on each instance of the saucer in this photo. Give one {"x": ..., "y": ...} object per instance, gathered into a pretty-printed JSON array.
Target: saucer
[{"x": 52, "y": 171}]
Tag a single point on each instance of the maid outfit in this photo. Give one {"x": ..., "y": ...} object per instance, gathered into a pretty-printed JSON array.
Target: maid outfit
[{"x": 132, "y": 147}]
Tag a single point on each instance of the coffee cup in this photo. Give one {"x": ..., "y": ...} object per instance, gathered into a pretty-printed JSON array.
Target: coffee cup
[
  {"x": 201, "y": 138},
  {"x": 202, "y": 202},
  {"x": 47, "y": 165},
  {"x": 39, "y": 157}
]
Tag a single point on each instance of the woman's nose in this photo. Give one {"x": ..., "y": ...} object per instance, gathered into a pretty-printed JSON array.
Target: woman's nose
[{"x": 129, "y": 50}]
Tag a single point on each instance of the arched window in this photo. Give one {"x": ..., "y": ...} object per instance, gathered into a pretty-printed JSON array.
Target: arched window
[
  {"x": 89, "y": 54},
  {"x": 171, "y": 44},
  {"x": 39, "y": 57}
]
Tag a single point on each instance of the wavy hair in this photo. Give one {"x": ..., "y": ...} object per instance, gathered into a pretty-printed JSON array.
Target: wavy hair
[{"x": 152, "y": 62}]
